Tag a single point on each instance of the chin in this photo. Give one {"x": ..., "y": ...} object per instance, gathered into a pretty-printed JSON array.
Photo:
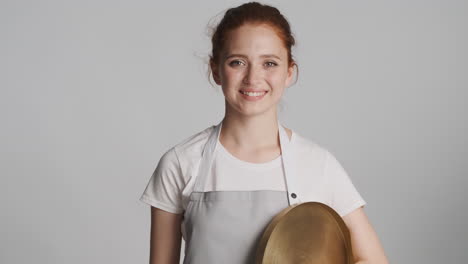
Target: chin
[{"x": 255, "y": 111}]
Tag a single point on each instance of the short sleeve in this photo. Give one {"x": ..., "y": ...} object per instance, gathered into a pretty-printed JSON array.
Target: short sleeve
[
  {"x": 344, "y": 196},
  {"x": 165, "y": 185}
]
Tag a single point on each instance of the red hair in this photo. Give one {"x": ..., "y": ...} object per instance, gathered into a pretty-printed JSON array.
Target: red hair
[{"x": 252, "y": 13}]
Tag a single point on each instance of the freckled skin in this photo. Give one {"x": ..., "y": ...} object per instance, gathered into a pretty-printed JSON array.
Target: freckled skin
[{"x": 252, "y": 71}]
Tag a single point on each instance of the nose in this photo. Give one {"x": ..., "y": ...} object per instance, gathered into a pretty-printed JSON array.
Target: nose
[{"x": 253, "y": 75}]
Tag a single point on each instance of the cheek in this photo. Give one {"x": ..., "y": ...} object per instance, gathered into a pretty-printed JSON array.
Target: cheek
[
  {"x": 276, "y": 79},
  {"x": 231, "y": 76}
]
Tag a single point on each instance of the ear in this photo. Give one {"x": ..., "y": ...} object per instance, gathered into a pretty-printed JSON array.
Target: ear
[
  {"x": 289, "y": 76},
  {"x": 215, "y": 72}
]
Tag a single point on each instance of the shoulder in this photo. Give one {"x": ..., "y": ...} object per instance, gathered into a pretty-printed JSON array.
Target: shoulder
[
  {"x": 183, "y": 155},
  {"x": 313, "y": 158},
  {"x": 193, "y": 144},
  {"x": 306, "y": 147},
  {"x": 309, "y": 153}
]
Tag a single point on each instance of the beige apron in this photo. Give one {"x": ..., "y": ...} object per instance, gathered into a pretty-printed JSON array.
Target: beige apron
[{"x": 226, "y": 226}]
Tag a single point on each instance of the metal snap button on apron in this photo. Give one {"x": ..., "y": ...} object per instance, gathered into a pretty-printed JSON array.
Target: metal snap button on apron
[
  {"x": 307, "y": 233},
  {"x": 226, "y": 226}
]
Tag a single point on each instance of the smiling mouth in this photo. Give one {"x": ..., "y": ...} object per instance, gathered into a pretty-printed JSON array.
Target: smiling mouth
[{"x": 253, "y": 94}]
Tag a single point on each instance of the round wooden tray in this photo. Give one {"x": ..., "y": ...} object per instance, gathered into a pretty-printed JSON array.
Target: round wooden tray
[{"x": 306, "y": 233}]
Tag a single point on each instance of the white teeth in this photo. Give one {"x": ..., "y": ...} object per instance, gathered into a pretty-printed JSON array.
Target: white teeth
[{"x": 253, "y": 93}]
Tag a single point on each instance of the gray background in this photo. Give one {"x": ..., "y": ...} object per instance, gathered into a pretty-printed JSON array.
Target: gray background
[{"x": 93, "y": 93}]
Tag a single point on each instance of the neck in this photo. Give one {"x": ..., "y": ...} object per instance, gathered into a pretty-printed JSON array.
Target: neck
[{"x": 250, "y": 133}]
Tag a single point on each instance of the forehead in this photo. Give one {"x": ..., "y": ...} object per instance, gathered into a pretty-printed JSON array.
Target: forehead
[{"x": 252, "y": 40}]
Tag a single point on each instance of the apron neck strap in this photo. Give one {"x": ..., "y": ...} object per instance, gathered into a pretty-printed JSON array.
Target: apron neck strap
[{"x": 288, "y": 161}]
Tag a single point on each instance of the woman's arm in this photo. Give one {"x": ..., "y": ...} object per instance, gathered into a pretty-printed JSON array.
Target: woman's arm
[
  {"x": 165, "y": 237},
  {"x": 364, "y": 240}
]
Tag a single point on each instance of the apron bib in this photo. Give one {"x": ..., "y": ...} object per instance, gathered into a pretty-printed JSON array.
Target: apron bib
[{"x": 226, "y": 226}]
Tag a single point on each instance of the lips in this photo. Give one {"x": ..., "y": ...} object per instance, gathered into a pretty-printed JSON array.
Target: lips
[
  {"x": 254, "y": 96},
  {"x": 252, "y": 91},
  {"x": 256, "y": 93}
]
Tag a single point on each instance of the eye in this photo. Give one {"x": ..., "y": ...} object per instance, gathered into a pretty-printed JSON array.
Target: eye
[
  {"x": 235, "y": 63},
  {"x": 271, "y": 64}
]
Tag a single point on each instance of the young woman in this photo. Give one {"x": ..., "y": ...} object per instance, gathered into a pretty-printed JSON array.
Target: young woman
[{"x": 220, "y": 187}]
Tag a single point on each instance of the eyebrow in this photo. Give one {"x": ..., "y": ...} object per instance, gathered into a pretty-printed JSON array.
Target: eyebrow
[{"x": 261, "y": 56}]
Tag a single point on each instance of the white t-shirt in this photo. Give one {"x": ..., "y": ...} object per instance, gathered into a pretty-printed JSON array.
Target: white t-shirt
[{"x": 322, "y": 177}]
